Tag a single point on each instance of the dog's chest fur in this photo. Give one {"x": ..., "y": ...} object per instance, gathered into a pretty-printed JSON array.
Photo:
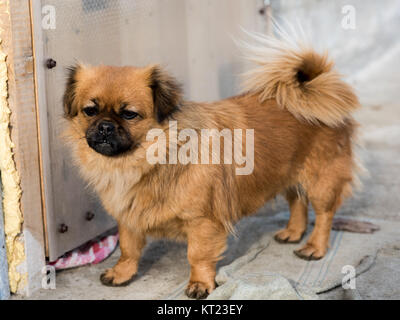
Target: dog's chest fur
[{"x": 134, "y": 202}]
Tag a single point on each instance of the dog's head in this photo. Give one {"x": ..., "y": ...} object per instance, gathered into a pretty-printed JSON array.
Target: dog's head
[{"x": 116, "y": 106}]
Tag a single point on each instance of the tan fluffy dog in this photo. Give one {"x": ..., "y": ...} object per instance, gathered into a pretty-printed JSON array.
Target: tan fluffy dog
[{"x": 299, "y": 109}]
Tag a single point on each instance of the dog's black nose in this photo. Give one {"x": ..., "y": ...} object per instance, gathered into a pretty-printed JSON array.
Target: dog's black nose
[{"x": 106, "y": 128}]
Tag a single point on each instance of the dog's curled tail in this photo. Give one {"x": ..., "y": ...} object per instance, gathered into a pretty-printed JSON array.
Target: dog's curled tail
[{"x": 300, "y": 79}]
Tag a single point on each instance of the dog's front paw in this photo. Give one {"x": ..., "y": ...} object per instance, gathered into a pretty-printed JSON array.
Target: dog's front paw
[
  {"x": 198, "y": 290},
  {"x": 311, "y": 252},
  {"x": 111, "y": 278},
  {"x": 288, "y": 236}
]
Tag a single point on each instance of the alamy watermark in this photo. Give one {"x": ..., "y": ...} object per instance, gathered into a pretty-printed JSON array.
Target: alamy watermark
[
  {"x": 349, "y": 19},
  {"x": 49, "y": 277},
  {"x": 191, "y": 146},
  {"x": 49, "y": 17},
  {"x": 349, "y": 279}
]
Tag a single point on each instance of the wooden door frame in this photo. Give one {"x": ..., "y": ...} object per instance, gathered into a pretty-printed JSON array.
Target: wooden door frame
[{"x": 42, "y": 120}]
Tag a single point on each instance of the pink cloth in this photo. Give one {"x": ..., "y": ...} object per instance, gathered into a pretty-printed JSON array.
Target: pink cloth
[{"x": 92, "y": 252}]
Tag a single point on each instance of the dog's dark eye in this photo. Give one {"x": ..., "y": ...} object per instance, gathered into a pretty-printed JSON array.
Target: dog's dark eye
[
  {"x": 128, "y": 115},
  {"x": 91, "y": 111}
]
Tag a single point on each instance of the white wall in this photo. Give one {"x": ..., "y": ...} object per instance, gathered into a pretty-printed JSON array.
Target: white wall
[{"x": 368, "y": 55}]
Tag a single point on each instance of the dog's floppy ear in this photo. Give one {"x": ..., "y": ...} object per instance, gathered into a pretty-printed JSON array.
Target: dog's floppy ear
[
  {"x": 167, "y": 93},
  {"x": 70, "y": 108}
]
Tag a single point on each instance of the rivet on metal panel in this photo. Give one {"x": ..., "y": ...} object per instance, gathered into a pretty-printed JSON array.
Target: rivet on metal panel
[
  {"x": 50, "y": 63},
  {"x": 89, "y": 216},
  {"x": 63, "y": 228},
  {"x": 266, "y": 4}
]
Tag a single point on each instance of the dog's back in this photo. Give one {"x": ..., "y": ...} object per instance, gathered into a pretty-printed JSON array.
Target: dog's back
[{"x": 292, "y": 154}]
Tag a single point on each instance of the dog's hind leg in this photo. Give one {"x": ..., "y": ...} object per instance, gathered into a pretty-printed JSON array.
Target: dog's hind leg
[
  {"x": 325, "y": 197},
  {"x": 297, "y": 225}
]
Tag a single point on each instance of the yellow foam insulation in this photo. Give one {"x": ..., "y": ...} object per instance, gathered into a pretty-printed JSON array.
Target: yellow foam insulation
[{"x": 11, "y": 189}]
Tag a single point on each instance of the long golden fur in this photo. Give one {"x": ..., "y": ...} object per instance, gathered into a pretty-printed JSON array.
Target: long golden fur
[{"x": 300, "y": 112}]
